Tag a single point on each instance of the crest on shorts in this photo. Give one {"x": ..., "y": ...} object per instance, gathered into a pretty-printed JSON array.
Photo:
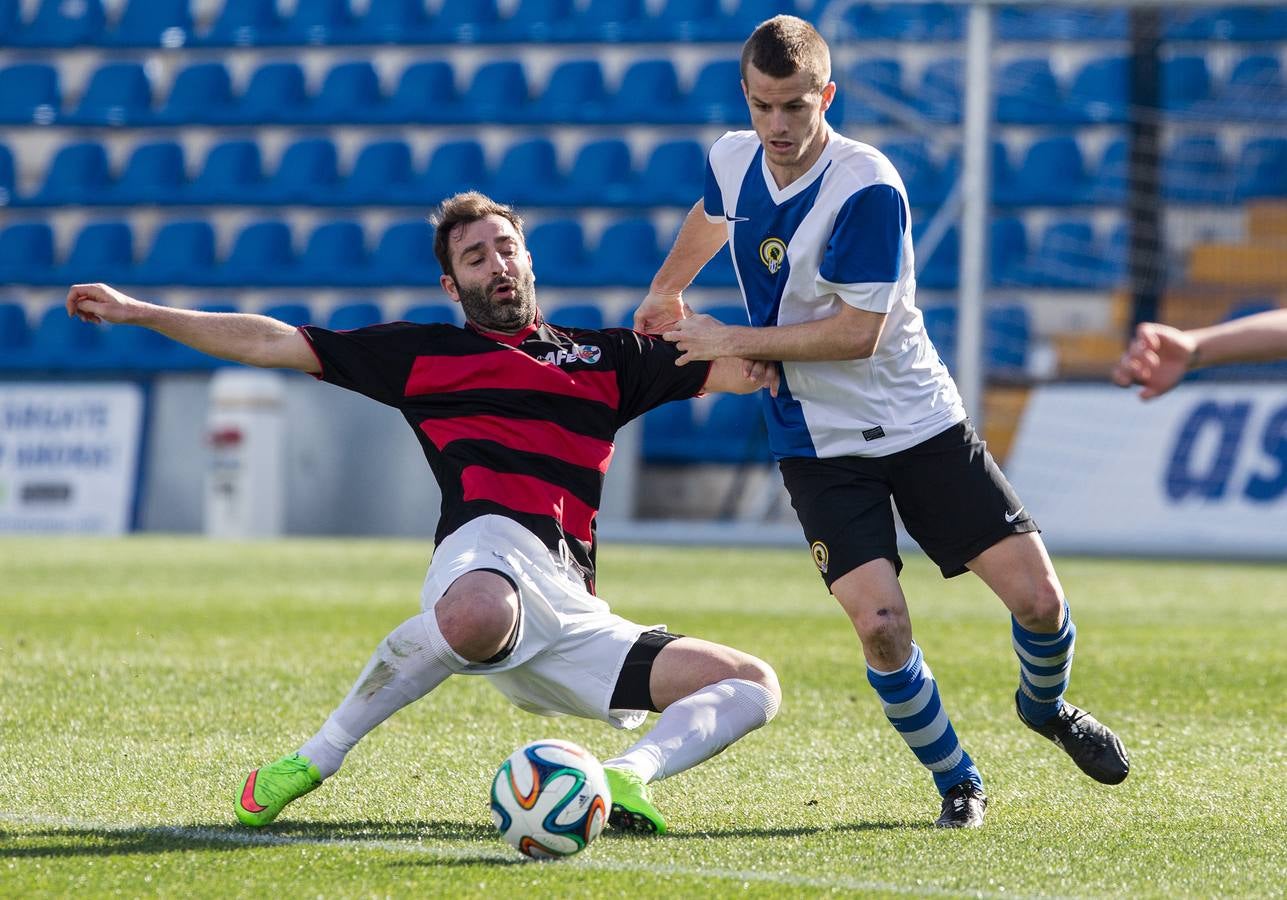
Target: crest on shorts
[
  {"x": 820, "y": 556},
  {"x": 773, "y": 254}
]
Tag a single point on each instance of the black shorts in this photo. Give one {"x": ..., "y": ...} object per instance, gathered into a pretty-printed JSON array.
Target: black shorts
[{"x": 950, "y": 493}]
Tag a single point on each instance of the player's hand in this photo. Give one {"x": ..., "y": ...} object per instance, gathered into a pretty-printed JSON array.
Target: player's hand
[
  {"x": 700, "y": 338},
  {"x": 660, "y": 310},
  {"x": 99, "y": 303},
  {"x": 1156, "y": 359},
  {"x": 762, "y": 374}
]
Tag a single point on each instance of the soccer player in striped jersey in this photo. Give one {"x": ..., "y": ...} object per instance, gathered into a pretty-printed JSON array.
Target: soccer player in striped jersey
[
  {"x": 516, "y": 417},
  {"x": 820, "y": 232}
]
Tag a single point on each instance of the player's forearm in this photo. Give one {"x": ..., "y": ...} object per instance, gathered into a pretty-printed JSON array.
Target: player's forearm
[
  {"x": 820, "y": 341},
  {"x": 1259, "y": 337},
  {"x": 238, "y": 337},
  {"x": 697, "y": 242}
]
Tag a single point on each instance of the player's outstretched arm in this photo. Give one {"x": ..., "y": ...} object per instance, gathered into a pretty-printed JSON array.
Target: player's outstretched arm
[
  {"x": 851, "y": 333},
  {"x": 698, "y": 240},
  {"x": 254, "y": 340}
]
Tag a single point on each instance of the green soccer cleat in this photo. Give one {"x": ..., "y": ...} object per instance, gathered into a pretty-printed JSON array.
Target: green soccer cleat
[
  {"x": 268, "y": 789},
  {"x": 631, "y": 808}
]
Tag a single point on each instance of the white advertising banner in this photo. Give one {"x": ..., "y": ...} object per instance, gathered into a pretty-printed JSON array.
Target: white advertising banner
[
  {"x": 68, "y": 456},
  {"x": 1200, "y": 471}
]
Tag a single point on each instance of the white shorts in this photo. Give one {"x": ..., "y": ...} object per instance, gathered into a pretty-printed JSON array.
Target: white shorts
[{"x": 570, "y": 647}]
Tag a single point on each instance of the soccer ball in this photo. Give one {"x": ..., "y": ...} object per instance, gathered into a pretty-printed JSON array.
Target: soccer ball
[{"x": 550, "y": 799}]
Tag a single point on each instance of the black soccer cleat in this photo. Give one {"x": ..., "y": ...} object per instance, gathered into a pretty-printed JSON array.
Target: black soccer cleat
[
  {"x": 1091, "y": 744},
  {"x": 963, "y": 807}
]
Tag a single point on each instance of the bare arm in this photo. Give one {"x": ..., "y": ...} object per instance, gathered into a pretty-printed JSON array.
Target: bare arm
[
  {"x": 851, "y": 333},
  {"x": 741, "y": 376},
  {"x": 254, "y": 340},
  {"x": 697, "y": 242}
]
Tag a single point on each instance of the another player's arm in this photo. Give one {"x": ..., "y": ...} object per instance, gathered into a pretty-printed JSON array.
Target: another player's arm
[
  {"x": 741, "y": 376},
  {"x": 851, "y": 333},
  {"x": 699, "y": 239},
  {"x": 254, "y": 340}
]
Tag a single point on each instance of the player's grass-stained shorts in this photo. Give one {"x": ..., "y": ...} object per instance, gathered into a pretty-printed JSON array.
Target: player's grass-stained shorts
[
  {"x": 569, "y": 650},
  {"x": 952, "y": 497}
]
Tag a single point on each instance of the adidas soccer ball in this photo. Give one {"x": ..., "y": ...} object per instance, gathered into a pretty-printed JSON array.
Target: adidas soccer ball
[{"x": 550, "y": 799}]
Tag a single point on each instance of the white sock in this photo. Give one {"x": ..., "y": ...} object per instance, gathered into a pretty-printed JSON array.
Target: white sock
[
  {"x": 694, "y": 729},
  {"x": 408, "y": 664}
]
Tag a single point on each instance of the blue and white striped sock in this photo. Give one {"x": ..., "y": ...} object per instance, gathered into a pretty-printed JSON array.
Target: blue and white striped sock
[
  {"x": 910, "y": 698},
  {"x": 1045, "y": 665}
]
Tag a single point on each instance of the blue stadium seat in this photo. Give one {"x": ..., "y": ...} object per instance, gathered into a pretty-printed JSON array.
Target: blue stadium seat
[
  {"x": 541, "y": 21},
  {"x": 292, "y": 313},
  {"x": 308, "y": 172},
  {"x": 941, "y": 89},
  {"x": 454, "y": 166},
  {"x": 528, "y": 174},
  {"x": 940, "y": 325},
  {"x": 674, "y": 174},
  {"x": 232, "y": 173},
  {"x": 1004, "y": 177},
  {"x": 686, "y": 21},
  {"x": 335, "y": 255},
  {"x": 201, "y": 93},
  {"x": 404, "y": 255},
  {"x": 716, "y": 95},
  {"x": 558, "y": 253},
  {"x": 15, "y": 336},
  {"x": 78, "y": 174},
  {"x": 1255, "y": 89},
  {"x": 10, "y": 17},
  {"x": 27, "y": 254},
  {"x": 1229, "y": 23},
  {"x": 1194, "y": 170},
  {"x": 62, "y": 343},
  {"x": 1262, "y": 169},
  {"x": 61, "y": 24},
  {"x": 1007, "y": 332},
  {"x": 319, "y": 22},
  {"x": 181, "y": 253},
  {"x": 465, "y": 23},
  {"x": 7, "y": 182},
  {"x": 921, "y": 174},
  {"x": 719, "y": 272},
  {"x": 1186, "y": 83},
  {"x": 103, "y": 251},
  {"x": 153, "y": 23},
  {"x": 1068, "y": 257},
  {"x": 577, "y": 315},
  {"x": 627, "y": 253},
  {"x": 382, "y": 173},
  {"x": 1109, "y": 180},
  {"x": 433, "y": 313},
  {"x": 358, "y": 314},
  {"x": 575, "y": 93},
  {"x": 426, "y": 92},
  {"x": 1007, "y": 248},
  {"x": 1052, "y": 23},
  {"x": 393, "y": 22},
  {"x": 904, "y": 22},
  {"x": 940, "y": 269},
  {"x": 276, "y": 94},
  {"x": 1099, "y": 90},
  {"x": 262, "y": 254},
  {"x": 118, "y": 94},
  {"x": 872, "y": 88},
  {"x": 728, "y": 313},
  {"x": 1028, "y": 92},
  {"x": 350, "y": 93},
  {"x": 1054, "y": 173},
  {"x": 648, "y": 92},
  {"x": 155, "y": 173},
  {"x": 669, "y": 433},
  {"x": 245, "y": 23},
  {"x": 602, "y": 175},
  {"x": 734, "y": 432},
  {"x": 610, "y": 21},
  {"x": 29, "y": 93},
  {"x": 498, "y": 93}
]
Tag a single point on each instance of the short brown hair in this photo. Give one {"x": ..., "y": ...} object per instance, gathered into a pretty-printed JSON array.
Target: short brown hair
[
  {"x": 464, "y": 209},
  {"x": 785, "y": 45}
]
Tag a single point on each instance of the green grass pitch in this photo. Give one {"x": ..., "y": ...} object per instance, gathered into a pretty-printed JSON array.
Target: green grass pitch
[{"x": 141, "y": 678}]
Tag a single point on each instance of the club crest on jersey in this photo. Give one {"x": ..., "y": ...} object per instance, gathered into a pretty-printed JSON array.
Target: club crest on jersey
[
  {"x": 773, "y": 254},
  {"x": 821, "y": 555},
  {"x": 586, "y": 353}
]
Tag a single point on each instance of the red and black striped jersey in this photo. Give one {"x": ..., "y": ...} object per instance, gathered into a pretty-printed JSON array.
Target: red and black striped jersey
[{"x": 515, "y": 425}]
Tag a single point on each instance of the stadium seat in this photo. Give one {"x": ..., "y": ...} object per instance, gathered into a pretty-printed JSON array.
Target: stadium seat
[
  {"x": 350, "y": 93},
  {"x": 941, "y": 88},
  {"x": 103, "y": 251},
  {"x": 319, "y": 22},
  {"x": 154, "y": 174},
  {"x": 63, "y": 343},
  {"x": 453, "y": 167},
  {"x": 357, "y": 314},
  {"x": 58, "y": 23},
  {"x": 1230, "y": 23},
  {"x": 627, "y": 254},
  {"x": 7, "y": 182},
  {"x": 10, "y": 17},
  {"x": 153, "y": 23},
  {"x": 465, "y": 23},
  {"x": 1194, "y": 170},
  {"x": 79, "y": 174},
  {"x": 292, "y": 313},
  {"x": 245, "y": 23},
  {"x": 1053, "y": 173},
  {"x": 1051, "y": 23},
  {"x": 181, "y": 253},
  {"x": 904, "y": 22},
  {"x": 201, "y": 93},
  {"x": 27, "y": 254},
  {"x": 528, "y": 174},
  {"x": 873, "y": 91},
  {"x": 15, "y": 336},
  {"x": 426, "y": 92},
  {"x": 404, "y": 255},
  {"x": 276, "y": 94},
  {"x": 1255, "y": 89},
  {"x": 392, "y": 22},
  {"x": 1068, "y": 257},
  {"x": 575, "y": 93},
  {"x": 1099, "y": 90},
  {"x": 383, "y": 173},
  {"x": 1027, "y": 92},
  {"x": 1109, "y": 180},
  {"x": 433, "y": 313},
  {"x": 29, "y": 93},
  {"x": 262, "y": 254},
  {"x": 1007, "y": 248},
  {"x": 716, "y": 95},
  {"x": 1262, "y": 169},
  {"x": 498, "y": 93},
  {"x": 233, "y": 173},
  {"x": 686, "y": 21},
  {"x": 610, "y": 21},
  {"x": 577, "y": 315},
  {"x": 118, "y": 94},
  {"x": 308, "y": 172},
  {"x": 719, "y": 272},
  {"x": 940, "y": 325},
  {"x": 648, "y": 92},
  {"x": 674, "y": 174},
  {"x": 669, "y": 433},
  {"x": 1186, "y": 83},
  {"x": 1007, "y": 332},
  {"x": 734, "y": 432},
  {"x": 921, "y": 174},
  {"x": 541, "y": 21},
  {"x": 940, "y": 269},
  {"x": 335, "y": 255},
  {"x": 558, "y": 253},
  {"x": 602, "y": 175}
]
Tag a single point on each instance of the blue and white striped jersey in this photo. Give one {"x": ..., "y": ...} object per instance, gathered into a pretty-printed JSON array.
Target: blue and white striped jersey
[{"x": 841, "y": 233}]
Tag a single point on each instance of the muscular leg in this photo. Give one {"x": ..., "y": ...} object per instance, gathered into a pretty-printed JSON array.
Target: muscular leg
[{"x": 873, "y": 599}]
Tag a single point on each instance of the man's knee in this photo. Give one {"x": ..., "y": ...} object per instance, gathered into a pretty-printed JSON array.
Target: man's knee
[
  {"x": 886, "y": 633},
  {"x": 478, "y": 614},
  {"x": 1042, "y": 606}
]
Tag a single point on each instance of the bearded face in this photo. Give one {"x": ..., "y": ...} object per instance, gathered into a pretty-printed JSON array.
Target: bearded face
[{"x": 504, "y": 304}]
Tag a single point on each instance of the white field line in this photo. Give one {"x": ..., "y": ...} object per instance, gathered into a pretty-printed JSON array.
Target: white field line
[{"x": 261, "y": 839}]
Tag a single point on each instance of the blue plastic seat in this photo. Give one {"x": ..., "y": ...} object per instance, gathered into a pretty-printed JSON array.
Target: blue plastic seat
[
  {"x": 61, "y": 24},
  {"x": 1262, "y": 168},
  {"x": 426, "y": 92},
  {"x": 453, "y": 167},
  {"x": 648, "y": 92},
  {"x": 941, "y": 89},
  {"x": 181, "y": 253},
  {"x": 575, "y": 93},
  {"x": 1053, "y": 23},
  {"x": 498, "y": 93},
  {"x": 1028, "y": 92},
  {"x": 155, "y": 173},
  {"x": 393, "y": 22},
  {"x": 382, "y": 173},
  {"x": 276, "y": 94},
  {"x": 687, "y": 21},
  {"x": 558, "y": 252},
  {"x": 79, "y": 174},
  {"x": 1068, "y": 257},
  {"x": 319, "y": 22},
  {"x": 27, "y": 254},
  {"x": 29, "y": 93},
  {"x": 669, "y": 433},
  {"x": 404, "y": 255},
  {"x": 674, "y": 174},
  {"x": 153, "y": 23},
  {"x": 292, "y": 313},
  {"x": 1100, "y": 90},
  {"x": 904, "y": 22},
  {"x": 63, "y": 343},
  {"x": 1007, "y": 333},
  {"x": 602, "y": 175},
  {"x": 261, "y": 254},
  {"x": 940, "y": 269},
  {"x": 716, "y": 95},
  {"x": 1110, "y": 177},
  {"x": 1186, "y": 83},
  {"x": 201, "y": 93},
  {"x": 335, "y": 255},
  {"x": 1228, "y": 23},
  {"x": 349, "y": 93},
  {"x": 719, "y": 272},
  {"x": 232, "y": 173},
  {"x": 921, "y": 174},
  {"x": 940, "y": 325},
  {"x": 1054, "y": 173},
  {"x": 611, "y": 21},
  {"x": 7, "y": 181},
  {"x": 433, "y": 314},
  {"x": 1007, "y": 248},
  {"x": 528, "y": 174},
  {"x": 465, "y": 23},
  {"x": 541, "y": 21},
  {"x": 1194, "y": 170},
  {"x": 118, "y": 94},
  {"x": 627, "y": 253},
  {"x": 103, "y": 251},
  {"x": 245, "y": 23},
  {"x": 734, "y": 432},
  {"x": 357, "y": 314},
  {"x": 578, "y": 315},
  {"x": 1255, "y": 89},
  {"x": 15, "y": 336},
  {"x": 308, "y": 172},
  {"x": 872, "y": 88}
]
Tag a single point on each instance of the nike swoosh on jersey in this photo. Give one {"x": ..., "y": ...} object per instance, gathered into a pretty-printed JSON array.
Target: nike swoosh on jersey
[
  {"x": 729, "y": 218},
  {"x": 1010, "y": 517}
]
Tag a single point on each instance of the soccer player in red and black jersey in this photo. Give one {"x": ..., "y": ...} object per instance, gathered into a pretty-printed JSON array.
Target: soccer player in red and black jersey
[{"x": 516, "y": 417}]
